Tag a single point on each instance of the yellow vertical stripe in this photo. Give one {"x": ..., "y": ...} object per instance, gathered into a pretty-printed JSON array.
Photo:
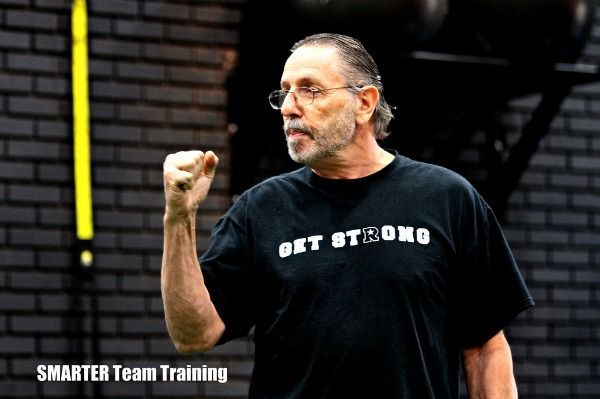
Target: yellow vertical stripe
[{"x": 81, "y": 122}]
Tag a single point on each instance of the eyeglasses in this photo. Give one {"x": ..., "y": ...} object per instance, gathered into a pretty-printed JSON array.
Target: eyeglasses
[{"x": 302, "y": 95}]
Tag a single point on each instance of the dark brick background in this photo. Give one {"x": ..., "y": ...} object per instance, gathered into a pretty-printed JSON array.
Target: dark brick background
[
  {"x": 553, "y": 225},
  {"x": 157, "y": 83},
  {"x": 157, "y": 79}
]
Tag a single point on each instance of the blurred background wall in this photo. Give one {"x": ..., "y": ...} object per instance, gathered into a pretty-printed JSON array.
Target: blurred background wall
[{"x": 159, "y": 78}]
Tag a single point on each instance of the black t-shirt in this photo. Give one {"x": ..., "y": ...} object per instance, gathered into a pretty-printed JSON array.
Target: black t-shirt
[{"x": 364, "y": 288}]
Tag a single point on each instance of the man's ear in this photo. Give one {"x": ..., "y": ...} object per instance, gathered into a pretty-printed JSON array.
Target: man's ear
[{"x": 368, "y": 97}]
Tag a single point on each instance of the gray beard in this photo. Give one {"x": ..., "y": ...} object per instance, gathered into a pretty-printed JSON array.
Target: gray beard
[
  {"x": 337, "y": 135},
  {"x": 313, "y": 154}
]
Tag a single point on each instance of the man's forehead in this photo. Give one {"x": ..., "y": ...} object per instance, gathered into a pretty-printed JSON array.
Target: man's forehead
[{"x": 313, "y": 63}]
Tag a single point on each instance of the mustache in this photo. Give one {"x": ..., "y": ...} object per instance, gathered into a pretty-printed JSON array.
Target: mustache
[{"x": 295, "y": 124}]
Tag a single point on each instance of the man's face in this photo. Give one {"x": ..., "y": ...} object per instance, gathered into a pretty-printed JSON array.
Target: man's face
[{"x": 317, "y": 131}]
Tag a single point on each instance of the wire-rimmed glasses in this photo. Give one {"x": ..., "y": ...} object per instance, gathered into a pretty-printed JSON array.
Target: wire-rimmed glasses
[{"x": 302, "y": 95}]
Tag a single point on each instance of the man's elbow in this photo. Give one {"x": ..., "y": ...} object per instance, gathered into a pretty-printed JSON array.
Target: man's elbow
[
  {"x": 190, "y": 348},
  {"x": 196, "y": 339}
]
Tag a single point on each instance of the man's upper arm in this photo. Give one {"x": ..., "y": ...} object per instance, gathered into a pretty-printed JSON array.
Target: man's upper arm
[{"x": 497, "y": 342}]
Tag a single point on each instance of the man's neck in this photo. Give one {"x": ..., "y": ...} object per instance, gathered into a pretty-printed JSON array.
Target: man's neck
[{"x": 354, "y": 162}]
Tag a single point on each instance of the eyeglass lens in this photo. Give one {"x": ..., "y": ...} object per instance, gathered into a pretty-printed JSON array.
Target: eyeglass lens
[
  {"x": 277, "y": 98},
  {"x": 302, "y": 95}
]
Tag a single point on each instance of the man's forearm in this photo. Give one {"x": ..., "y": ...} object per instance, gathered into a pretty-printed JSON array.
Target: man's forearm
[
  {"x": 489, "y": 370},
  {"x": 192, "y": 320}
]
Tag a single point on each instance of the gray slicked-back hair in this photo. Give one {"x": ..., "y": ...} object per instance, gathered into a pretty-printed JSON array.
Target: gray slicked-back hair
[{"x": 359, "y": 68}]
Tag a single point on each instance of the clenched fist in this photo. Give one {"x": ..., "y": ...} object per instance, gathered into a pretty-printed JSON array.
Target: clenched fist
[{"x": 187, "y": 176}]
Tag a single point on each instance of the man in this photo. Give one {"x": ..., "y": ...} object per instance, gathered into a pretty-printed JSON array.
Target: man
[{"x": 364, "y": 273}]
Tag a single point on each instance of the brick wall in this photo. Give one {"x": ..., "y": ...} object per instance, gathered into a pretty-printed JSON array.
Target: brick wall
[
  {"x": 157, "y": 78},
  {"x": 553, "y": 225},
  {"x": 157, "y": 74}
]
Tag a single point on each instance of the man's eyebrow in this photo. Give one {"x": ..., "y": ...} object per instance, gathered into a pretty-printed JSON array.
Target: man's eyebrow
[{"x": 304, "y": 82}]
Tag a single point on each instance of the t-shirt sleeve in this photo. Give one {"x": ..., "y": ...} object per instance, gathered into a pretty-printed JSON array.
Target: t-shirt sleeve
[
  {"x": 490, "y": 289},
  {"x": 228, "y": 272}
]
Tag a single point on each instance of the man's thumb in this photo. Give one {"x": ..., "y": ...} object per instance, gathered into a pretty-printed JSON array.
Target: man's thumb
[{"x": 210, "y": 164}]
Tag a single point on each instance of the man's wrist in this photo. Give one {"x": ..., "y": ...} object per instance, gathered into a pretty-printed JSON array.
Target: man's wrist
[{"x": 176, "y": 218}]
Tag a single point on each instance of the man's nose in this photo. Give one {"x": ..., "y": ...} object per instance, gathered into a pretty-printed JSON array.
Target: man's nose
[{"x": 290, "y": 107}]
